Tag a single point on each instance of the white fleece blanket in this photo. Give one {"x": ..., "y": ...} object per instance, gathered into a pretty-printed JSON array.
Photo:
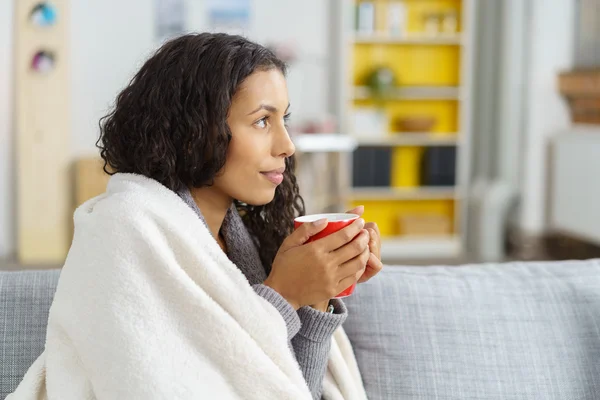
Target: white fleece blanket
[{"x": 149, "y": 307}]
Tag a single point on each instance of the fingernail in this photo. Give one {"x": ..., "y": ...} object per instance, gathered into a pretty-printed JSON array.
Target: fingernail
[
  {"x": 320, "y": 222},
  {"x": 361, "y": 222}
]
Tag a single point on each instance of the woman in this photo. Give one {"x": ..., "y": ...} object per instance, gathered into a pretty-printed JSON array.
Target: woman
[{"x": 148, "y": 305}]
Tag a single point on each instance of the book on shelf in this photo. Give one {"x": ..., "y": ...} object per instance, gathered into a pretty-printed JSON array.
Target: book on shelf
[
  {"x": 438, "y": 166},
  {"x": 372, "y": 167}
]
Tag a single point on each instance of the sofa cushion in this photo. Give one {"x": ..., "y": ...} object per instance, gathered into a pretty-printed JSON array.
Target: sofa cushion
[
  {"x": 25, "y": 299},
  {"x": 512, "y": 331}
]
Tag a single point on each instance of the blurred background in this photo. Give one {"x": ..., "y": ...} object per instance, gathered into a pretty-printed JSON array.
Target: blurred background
[{"x": 467, "y": 128}]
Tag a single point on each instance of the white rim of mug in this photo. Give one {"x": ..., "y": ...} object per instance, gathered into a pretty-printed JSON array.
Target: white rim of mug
[{"x": 331, "y": 217}]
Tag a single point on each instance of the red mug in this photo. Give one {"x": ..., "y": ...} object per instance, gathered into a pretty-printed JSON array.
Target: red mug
[{"x": 335, "y": 222}]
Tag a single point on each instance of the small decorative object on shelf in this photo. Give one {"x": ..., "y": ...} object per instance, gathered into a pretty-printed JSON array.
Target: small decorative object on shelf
[
  {"x": 369, "y": 122},
  {"x": 43, "y": 61},
  {"x": 449, "y": 22},
  {"x": 432, "y": 24},
  {"x": 382, "y": 82},
  {"x": 324, "y": 124},
  {"x": 418, "y": 123},
  {"x": 43, "y": 14},
  {"x": 397, "y": 18},
  {"x": 365, "y": 17}
]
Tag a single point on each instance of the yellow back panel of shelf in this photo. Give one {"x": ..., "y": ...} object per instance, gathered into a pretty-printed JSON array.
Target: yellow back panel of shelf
[
  {"x": 425, "y": 65},
  {"x": 406, "y": 166},
  {"x": 386, "y": 213}
]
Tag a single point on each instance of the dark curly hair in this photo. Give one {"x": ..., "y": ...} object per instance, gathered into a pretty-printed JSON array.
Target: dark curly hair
[{"x": 170, "y": 124}]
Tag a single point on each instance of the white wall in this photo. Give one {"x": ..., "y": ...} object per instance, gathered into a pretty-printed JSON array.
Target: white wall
[
  {"x": 551, "y": 51},
  {"x": 305, "y": 23},
  {"x": 108, "y": 47},
  {"x": 111, "y": 38},
  {"x": 6, "y": 137}
]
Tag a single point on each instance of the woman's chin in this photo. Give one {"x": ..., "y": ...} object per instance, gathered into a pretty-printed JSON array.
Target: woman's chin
[{"x": 259, "y": 199}]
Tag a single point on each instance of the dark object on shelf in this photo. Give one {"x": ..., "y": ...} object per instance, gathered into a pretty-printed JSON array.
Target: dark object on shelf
[
  {"x": 372, "y": 166},
  {"x": 438, "y": 166}
]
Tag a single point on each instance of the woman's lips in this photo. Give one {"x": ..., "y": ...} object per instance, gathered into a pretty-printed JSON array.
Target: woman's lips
[{"x": 274, "y": 176}]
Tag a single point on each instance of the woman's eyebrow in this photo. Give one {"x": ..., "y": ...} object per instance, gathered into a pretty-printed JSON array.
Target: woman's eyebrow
[{"x": 269, "y": 108}]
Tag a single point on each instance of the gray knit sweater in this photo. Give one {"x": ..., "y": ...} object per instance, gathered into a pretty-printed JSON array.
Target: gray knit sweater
[{"x": 309, "y": 330}]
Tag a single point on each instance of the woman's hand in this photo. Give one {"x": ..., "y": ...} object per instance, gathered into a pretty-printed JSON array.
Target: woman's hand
[
  {"x": 374, "y": 265},
  {"x": 312, "y": 273}
]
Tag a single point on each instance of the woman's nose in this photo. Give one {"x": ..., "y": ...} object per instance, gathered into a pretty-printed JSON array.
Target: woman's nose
[{"x": 285, "y": 146}]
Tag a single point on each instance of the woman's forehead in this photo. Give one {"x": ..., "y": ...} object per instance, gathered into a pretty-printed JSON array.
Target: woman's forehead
[{"x": 263, "y": 87}]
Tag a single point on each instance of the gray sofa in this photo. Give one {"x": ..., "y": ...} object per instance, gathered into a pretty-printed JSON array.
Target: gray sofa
[{"x": 511, "y": 331}]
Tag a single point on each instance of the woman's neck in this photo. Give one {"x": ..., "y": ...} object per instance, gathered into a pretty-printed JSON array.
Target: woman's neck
[{"x": 214, "y": 206}]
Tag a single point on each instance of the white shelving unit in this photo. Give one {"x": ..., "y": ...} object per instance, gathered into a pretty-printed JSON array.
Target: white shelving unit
[
  {"x": 395, "y": 193},
  {"x": 343, "y": 39},
  {"x": 410, "y": 139},
  {"x": 410, "y": 39},
  {"x": 324, "y": 142},
  {"x": 421, "y": 247},
  {"x": 414, "y": 93}
]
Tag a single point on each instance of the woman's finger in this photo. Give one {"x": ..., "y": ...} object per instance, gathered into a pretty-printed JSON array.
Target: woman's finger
[
  {"x": 374, "y": 242},
  {"x": 374, "y": 266},
  {"x": 342, "y": 237},
  {"x": 373, "y": 225},
  {"x": 360, "y": 210}
]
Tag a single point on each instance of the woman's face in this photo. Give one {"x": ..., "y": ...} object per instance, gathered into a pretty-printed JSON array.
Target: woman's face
[{"x": 260, "y": 142}]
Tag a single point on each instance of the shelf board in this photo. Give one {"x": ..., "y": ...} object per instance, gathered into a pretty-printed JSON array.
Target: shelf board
[
  {"x": 409, "y": 139},
  {"x": 413, "y": 93},
  {"x": 408, "y": 247},
  {"x": 395, "y": 193},
  {"x": 324, "y": 142},
  {"x": 409, "y": 39}
]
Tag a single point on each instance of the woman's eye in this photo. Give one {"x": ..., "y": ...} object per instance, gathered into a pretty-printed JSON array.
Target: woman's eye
[{"x": 262, "y": 123}]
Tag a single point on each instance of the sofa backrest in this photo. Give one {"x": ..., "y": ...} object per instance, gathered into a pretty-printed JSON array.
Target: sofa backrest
[
  {"x": 25, "y": 299},
  {"x": 511, "y": 331},
  {"x": 505, "y": 332}
]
